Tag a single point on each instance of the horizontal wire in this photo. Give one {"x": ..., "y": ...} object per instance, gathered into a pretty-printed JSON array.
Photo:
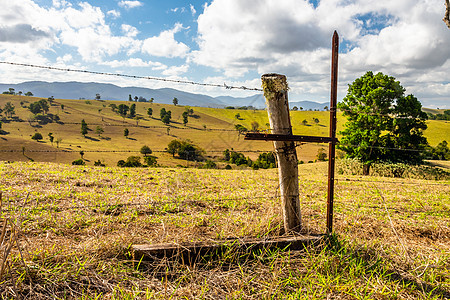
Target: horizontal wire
[{"x": 229, "y": 87}]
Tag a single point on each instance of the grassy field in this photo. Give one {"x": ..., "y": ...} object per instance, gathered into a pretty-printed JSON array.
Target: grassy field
[
  {"x": 218, "y": 135},
  {"x": 74, "y": 227}
]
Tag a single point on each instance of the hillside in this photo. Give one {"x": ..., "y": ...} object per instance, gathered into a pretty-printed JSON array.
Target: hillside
[{"x": 210, "y": 128}]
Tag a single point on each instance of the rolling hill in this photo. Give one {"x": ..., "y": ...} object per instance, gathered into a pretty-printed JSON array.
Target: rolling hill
[{"x": 210, "y": 128}]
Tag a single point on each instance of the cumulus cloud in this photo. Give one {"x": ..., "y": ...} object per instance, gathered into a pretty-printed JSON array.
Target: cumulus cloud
[
  {"x": 401, "y": 38},
  {"x": 129, "y": 30},
  {"x": 113, "y": 13},
  {"x": 21, "y": 33},
  {"x": 176, "y": 70},
  {"x": 165, "y": 44},
  {"x": 130, "y": 4}
]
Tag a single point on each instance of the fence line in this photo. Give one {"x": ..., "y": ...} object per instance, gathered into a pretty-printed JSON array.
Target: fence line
[{"x": 229, "y": 87}]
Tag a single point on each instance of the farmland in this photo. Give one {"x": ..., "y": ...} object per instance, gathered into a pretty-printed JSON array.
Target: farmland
[
  {"x": 211, "y": 129},
  {"x": 68, "y": 231},
  {"x": 75, "y": 225}
]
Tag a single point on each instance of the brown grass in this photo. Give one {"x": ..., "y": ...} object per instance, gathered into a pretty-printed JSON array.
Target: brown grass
[{"x": 76, "y": 225}]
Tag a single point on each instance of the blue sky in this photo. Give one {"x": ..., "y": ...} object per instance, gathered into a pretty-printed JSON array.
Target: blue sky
[{"x": 232, "y": 42}]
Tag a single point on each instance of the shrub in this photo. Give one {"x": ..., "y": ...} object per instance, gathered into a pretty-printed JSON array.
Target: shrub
[
  {"x": 78, "y": 162},
  {"x": 265, "y": 161},
  {"x": 98, "y": 163},
  {"x": 37, "y": 136},
  {"x": 131, "y": 162},
  {"x": 150, "y": 160},
  {"x": 209, "y": 164},
  {"x": 185, "y": 150},
  {"x": 228, "y": 167}
]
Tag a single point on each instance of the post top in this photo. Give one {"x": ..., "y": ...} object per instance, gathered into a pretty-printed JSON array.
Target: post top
[{"x": 273, "y": 76}]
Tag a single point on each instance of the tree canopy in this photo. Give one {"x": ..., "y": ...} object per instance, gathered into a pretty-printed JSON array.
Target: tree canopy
[{"x": 382, "y": 123}]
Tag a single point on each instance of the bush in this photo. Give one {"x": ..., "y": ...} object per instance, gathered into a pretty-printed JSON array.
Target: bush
[
  {"x": 228, "y": 167},
  {"x": 78, "y": 162},
  {"x": 396, "y": 170},
  {"x": 209, "y": 164},
  {"x": 150, "y": 160},
  {"x": 98, "y": 163},
  {"x": 131, "y": 162},
  {"x": 265, "y": 161},
  {"x": 185, "y": 150}
]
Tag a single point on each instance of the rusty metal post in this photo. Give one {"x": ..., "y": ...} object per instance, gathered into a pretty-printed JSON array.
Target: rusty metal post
[{"x": 332, "y": 145}]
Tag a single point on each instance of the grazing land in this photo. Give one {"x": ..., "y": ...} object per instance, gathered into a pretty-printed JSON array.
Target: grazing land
[
  {"x": 211, "y": 129},
  {"x": 74, "y": 227}
]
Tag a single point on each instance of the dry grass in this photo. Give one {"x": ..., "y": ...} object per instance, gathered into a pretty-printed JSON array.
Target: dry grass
[{"x": 76, "y": 225}]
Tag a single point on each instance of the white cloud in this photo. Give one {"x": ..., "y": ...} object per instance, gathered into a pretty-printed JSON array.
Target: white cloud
[
  {"x": 192, "y": 8},
  {"x": 165, "y": 44},
  {"x": 135, "y": 62},
  {"x": 402, "y": 38},
  {"x": 176, "y": 70},
  {"x": 113, "y": 13},
  {"x": 130, "y": 4},
  {"x": 129, "y": 30}
]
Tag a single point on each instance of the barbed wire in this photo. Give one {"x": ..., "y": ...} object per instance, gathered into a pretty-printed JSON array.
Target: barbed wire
[{"x": 226, "y": 86}]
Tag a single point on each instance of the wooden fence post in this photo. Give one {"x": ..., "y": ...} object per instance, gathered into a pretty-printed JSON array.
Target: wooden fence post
[{"x": 275, "y": 91}]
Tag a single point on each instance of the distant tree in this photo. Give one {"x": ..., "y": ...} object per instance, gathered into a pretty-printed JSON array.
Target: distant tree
[
  {"x": 136, "y": 98},
  {"x": 166, "y": 119},
  {"x": 145, "y": 150},
  {"x": 185, "y": 118},
  {"x": 9, "y": 109},
  {"x": 35, "y": 108},
  {"x": 20, "y": 93},
  {"x": 62, "y": 106},
  {"x": 175, "y": 101},
  {"x": 131, "y": 162},
  {"x": 126, "y": 132},
  {"x": 82, "y": 154},
  {"x": 150, "y": 112},
  {"x": 12, "y": 91},
  {"x": 321, "y": 154},
  {"x": 304, "y": 122},
  {"x": 113, "y": 107},
  {"x": 29, "y": 94},
  {"x": 84, "y": 128},
  {"x": 162, "y": 113},
  {"x": 142, "y": 99},
  {"x": 132, "y": 112},
  {"x": 51, "y": 137},
  {"x": 97, "y": 96},
  {"x": 301, "y": 108},
  {"x": 316, "y": 120},
  {"x": 44, "y": 105},
  {"x": 99, "y": 130},
  {"x": 58, "y": 141},
  {"x": 150, "y": 160},
  {"x": 130, "y": 98},
  {"x": 240, "y": 128},
  {"x": 151, "y": 100},
  {"x": 185, "y": 150},
  {"x": 123, "y": 109},
  {"x": 295, "y": 108},
  {"x": 237, "y": 116},
  {"x": 326, "y": 108},
  {"x": 37, "y": 137}
]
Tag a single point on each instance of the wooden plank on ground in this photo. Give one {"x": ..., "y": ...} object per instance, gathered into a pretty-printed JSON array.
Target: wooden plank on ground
[{"x": 191, "y": 252}]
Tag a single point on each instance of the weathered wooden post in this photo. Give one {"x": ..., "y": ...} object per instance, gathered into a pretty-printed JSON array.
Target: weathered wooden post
[{"x": 275, "y": 91}]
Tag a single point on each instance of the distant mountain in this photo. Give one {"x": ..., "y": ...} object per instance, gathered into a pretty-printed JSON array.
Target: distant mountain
[{"x": 88, "y": 90}]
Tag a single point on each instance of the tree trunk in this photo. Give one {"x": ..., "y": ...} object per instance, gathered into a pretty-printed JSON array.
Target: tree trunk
[
  {"x": 366, "y": 169},
  {"x": 275, "y": 92}
]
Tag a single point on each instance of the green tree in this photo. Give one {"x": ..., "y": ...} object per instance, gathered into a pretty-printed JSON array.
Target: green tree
[
  {"x": 162, "y": 113},
  {"x": 37, "y": 137},
  {"x": 126, "y": 132},
  {"x": 185, "y": 118},
  {"x": 132, "y": 112},
  {"x": 99, "y": 130},
  {"x": 175, "y": 101},
  {"x": 173, "y": 147},
  {"x": 9, "y": 109},
  {"x": 150, "y": 112},
  {"x": 255, "y": 126},
  {"x": 130, "y": 98},
  {"x": 379, "y": 119},
  {"x": 97, "y": 97},
  {"x": 29, "y": 94},
  {"x": 145, "y": 150},
  {"x": 84, "y": 128},
  {"x": 304, "y": 122},
  {"x": 123, "y": 109},
  {"x": 51, "y": 137},
  {"x": 151, "y": 100}
]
